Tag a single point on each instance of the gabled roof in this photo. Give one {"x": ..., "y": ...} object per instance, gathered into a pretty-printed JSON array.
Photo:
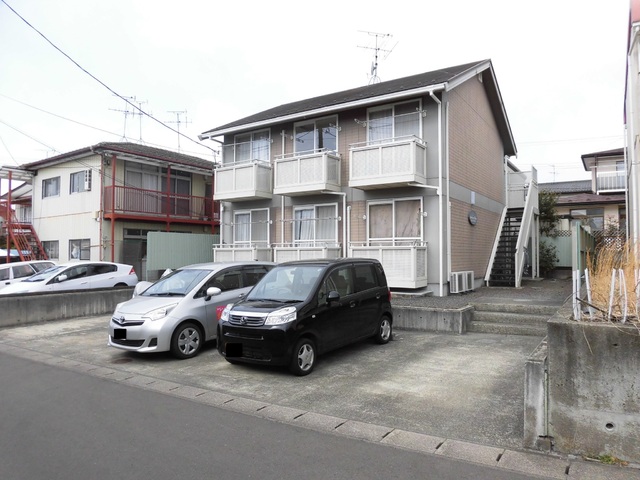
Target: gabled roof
[
  {"x": 591, "y": 199},
  {"x": 121, "y": 149},
  {"x": 438, "y": 80}
]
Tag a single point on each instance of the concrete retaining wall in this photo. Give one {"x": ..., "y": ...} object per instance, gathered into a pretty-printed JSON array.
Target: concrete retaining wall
[
  {"x": 433, "y": 320},
  {"x": 594, "y": 388},
  {"x": 43, "y": 307}
]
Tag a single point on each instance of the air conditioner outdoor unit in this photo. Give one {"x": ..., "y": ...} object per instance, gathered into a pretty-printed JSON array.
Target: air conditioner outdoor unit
[{"x": 461, "y": 282}]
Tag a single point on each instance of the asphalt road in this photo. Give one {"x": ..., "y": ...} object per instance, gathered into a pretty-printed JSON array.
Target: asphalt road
[{"x": 61, "y": 424}]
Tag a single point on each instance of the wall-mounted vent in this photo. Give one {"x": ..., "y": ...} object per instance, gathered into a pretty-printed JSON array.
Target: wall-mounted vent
[{"x": 461, "y": 282}]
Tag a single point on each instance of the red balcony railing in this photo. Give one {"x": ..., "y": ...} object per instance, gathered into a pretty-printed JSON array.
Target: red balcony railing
[{"x": 151, "y": 203}]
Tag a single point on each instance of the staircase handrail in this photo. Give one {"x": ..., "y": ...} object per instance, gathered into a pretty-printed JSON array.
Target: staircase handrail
[
  {"x": 496, "y": 242},
  {"x": 525, "y": 229}
]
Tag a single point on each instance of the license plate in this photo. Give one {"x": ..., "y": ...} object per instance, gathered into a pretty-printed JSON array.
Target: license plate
[{"x": 120, "y": 333}]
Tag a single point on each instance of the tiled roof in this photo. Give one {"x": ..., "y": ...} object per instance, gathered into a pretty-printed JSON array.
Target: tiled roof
[
  {"x": 127, "y": 148},
  {"x": 566, "y": 187}
]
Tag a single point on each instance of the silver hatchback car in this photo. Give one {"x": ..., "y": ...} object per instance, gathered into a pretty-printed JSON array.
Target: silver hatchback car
[{"x": 180, "y": 311}]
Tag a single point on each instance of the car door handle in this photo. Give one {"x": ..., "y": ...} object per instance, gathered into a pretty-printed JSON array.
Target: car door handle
[
  {"x": 378, "y": 296},
  {"x": 352, "y": 303}
]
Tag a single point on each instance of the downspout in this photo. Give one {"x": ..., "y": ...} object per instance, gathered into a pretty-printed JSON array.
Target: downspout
[
  {"x": 9, "y": 218},
  {"x": 113, "y": 208},
  {"x": 282, "y": 135},
  {"x": 100, "y": 214},
  {"x": 440, "y": 184}
]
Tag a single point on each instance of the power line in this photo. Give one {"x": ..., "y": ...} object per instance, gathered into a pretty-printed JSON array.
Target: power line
[{"x": 142, "y": 112}]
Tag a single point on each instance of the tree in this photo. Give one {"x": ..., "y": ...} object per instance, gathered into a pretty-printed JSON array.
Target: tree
[{"x": 549, "y": 217}]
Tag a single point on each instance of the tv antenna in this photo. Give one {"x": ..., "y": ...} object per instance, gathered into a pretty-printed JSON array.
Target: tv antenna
[
  {"x": 127, "y": 112},
  {"x": 380, "y": 42},
  {"x": 178, "y": 122}
]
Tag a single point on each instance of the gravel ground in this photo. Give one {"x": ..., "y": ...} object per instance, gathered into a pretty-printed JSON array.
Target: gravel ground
[{"x": 549, "y": 291}]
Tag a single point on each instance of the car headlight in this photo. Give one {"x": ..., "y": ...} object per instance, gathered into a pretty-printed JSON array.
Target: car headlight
[
  {"x": 224, "y": 316},
  {"x": 282, "y": 316},
  {"x": 159, "y": 313}
]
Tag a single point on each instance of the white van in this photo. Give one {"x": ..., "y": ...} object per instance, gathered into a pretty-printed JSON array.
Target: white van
[{"x": 16, "y": 271}]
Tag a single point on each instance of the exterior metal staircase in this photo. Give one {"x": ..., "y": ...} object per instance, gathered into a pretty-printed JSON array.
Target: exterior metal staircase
[
  {"x": 26, "y": 241},
  {"x": 503, "y": 271}
]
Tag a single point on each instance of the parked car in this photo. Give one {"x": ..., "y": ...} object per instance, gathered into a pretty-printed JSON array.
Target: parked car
[
  {"x": 17, "y": 271},
  {"x": 180, "y": 311},
  {"x": 302, "y": 309},
  {"x": 76, "y": 276}
]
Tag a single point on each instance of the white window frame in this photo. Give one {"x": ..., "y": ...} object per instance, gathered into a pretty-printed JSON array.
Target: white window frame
[
  {"x": 256, "y": 228},
  {"x": 52, "y": 248},
  {"x": 312, "y": 223},
  {"x": 395, "y": 133},
  {"x": 253, "y": 143},
  {"x": 394, "y": 239},
  {"x": 83, "y": 246},
  {"x": 318, "y": 127}
]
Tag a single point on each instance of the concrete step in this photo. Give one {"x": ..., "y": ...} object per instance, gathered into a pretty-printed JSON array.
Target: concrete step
[
  {"x": 548, "y": 310},
  {"x": 508, "y": 329},
  {"x": 510, "y": 318}
]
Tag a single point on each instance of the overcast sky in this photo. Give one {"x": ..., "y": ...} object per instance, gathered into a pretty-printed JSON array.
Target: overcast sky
[{"x": 194, "y": 65}]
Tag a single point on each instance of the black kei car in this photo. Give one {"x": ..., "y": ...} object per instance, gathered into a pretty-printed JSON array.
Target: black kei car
[{"x": 304, "y": 308}]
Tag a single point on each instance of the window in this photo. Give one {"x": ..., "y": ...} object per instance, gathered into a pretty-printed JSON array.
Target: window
[
  {"x": 319, "y": 135},
  {"x": 340, "y": 280},
  {"x": 51, "y": 248},
  {"x": 251, "y": 227},
  {"x": 315, "y": 224},
  {"x": 592, "y": 217},
  {"x": 248, "y": 147},
  {"x": 365, "y": 277},
  {"x": 80, "y": 249},
  {"x": 22, "y": 271},
  {"x": 80, "y": 182},
  {"x": 51, "y": 187},
  {"x": 395, "y": 222},
  {"x": 394, "y": 121}
]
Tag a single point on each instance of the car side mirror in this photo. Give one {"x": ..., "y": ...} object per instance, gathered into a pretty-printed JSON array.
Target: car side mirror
[
  {"x": 333, "y": 296},
  {"x": 212, "y": 292},
  {"x": 61, "y": 278}
]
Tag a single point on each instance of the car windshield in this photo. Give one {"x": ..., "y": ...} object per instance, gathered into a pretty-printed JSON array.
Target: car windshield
[
  {"x": 177, "y": 283},
  {"x": 45, "y": 274},
  {"x": 287, "y": 283}
]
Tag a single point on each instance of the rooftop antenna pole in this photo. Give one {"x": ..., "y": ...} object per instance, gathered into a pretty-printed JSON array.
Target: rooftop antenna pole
[
  {"x": 178, "y": 122},
  {"x": 139, "y": 112},
  {"x": 126, "y": 112},
  {"x": 377, "y": 48}
]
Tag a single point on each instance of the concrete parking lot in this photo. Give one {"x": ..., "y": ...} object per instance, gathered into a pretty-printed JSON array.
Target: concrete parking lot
[{"x": 458, "y": 395}]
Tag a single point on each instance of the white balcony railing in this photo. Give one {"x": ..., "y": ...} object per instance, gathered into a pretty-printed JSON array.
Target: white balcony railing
[
  {"x": 249, "y": 253},
  {"x": 243, "y": 181},
  {"x": 397, "y": 162},
  {"x": 610, "y": 182},
  {"x": 307, "y": 173},
  {"x": 405, "y": 265},
  {"x": 287, "y": 253}
]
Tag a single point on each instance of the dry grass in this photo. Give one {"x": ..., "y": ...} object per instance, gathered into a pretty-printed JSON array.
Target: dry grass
[{"x": 601, "y": 267}]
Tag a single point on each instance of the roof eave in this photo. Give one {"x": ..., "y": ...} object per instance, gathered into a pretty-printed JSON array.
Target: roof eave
[{"x": 323, "y": 111}]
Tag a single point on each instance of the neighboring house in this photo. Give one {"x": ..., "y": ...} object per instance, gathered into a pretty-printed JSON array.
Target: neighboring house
[
  {"x": 99, "y": 202},
  {"x": 413, "y": 171},
  {"x": 599, "y": 203},
  {"x": 632, "y": 122}
]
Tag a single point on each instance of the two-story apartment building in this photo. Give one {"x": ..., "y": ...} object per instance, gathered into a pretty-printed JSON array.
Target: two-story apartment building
[
  {"x": 99, "y": 202},
  {"x": 413, "y": 171}
]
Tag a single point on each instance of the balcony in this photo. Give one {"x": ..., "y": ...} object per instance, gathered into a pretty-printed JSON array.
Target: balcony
[
  {"x": 390, "y": 163},
  {"x": 610, "y": 182},
  {"x": 405, "y": 265},
  {"x": 288, "y": 252},
  {"x": 307, "y": 174},
  {"x": 243, "y": 181},
  {"x": 242, "y": 253},
  {"x": 133, "y": 202}
]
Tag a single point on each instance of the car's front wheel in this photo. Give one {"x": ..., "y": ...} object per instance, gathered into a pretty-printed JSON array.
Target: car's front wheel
[
  {"x": 186, "y": 340},
  {"x": 304, "y": 357},
  {"x": 385, "y": 330}
]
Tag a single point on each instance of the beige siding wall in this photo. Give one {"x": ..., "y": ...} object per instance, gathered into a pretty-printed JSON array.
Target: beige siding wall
[
  {"x": 472, "y": 244},
  {"x": 476, "y": 154}
]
